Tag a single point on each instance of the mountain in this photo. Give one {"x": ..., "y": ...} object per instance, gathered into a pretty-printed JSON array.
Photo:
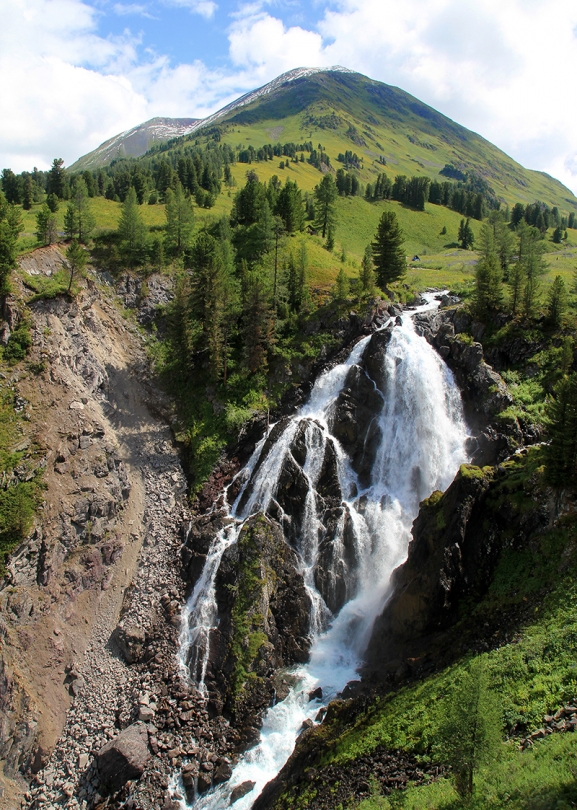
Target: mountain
[
  {"x": 136, "y": 141},
  {"x": 389, "y": 130}
]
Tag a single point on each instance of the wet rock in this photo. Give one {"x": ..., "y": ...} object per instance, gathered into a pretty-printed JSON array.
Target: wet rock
[
  {"x": 124, "y": 757},
  {"x": 241, "y": 790}
]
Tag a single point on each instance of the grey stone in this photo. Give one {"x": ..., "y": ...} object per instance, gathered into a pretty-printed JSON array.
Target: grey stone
[{"x": 124, "y": 757}]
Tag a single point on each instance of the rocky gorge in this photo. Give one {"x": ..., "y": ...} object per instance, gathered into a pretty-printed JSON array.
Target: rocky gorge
[{"x": 94, "y": 599}]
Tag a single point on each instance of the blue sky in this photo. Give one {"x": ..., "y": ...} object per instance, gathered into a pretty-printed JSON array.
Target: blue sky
[{"x": 73, "y": 73}]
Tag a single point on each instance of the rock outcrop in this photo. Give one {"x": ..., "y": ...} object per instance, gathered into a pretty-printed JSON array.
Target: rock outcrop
[
  {"x": 124, "y": 757},
  {"x": 264, "y": 614}
]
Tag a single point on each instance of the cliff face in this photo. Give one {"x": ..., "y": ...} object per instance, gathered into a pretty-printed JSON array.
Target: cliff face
[{"x": 105, "y": 542}]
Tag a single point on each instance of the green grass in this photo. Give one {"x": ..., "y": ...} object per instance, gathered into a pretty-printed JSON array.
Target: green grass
[
  {"x": 533, "y": 675},
  {"x": 541, "y": 778}
]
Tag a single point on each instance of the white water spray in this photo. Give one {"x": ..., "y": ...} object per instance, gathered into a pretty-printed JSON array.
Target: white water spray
[{"x": 422, "y": 441}]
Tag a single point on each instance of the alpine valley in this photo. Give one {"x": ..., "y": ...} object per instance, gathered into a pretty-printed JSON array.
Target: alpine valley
[{"x": 288, "y": 455}]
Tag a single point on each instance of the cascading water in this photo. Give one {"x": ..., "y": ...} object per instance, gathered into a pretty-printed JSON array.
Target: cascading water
[{"x": 422, "y": 440}]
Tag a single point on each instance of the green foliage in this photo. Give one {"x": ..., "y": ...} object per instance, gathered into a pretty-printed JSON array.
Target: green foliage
[
  {"x": 561, "y": 452},
  {"x": 326, "y": 194},
  {"x": 10, "y": 227},
  {"x": 470, "y": 735},
  {"x": 46, "y": 287},
  {"x": 46, "y": 226},
  {"x": 79, "y": 222},
  {"x": 556, "y": 302},
  {"x": 466, "y": 236},
  {"x": 131, "y": 230},
  {"x": 179, "y": 220},
  {"x": 19, "y": 343},
  {"x": 388, "y": 250},
  {"x": 77, "y": 261},
  {"x": 18, "y": 499}
]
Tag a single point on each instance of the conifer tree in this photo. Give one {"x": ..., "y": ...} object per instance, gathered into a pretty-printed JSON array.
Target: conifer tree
[
  {"x": 179, "y": 219},
  {"x": 561, "y": 452},
  {"x": 466, "y": 236},
  {"x": 258, "y": 323},
  {"x": 46, "y": 226},
  {"x": 10, "y": 227},
  {"x": 388, "y": 251},
  {"x": 325, "y": 204},
  {"x": 52, "y": 203},
  {"x": 131, "y": 229},
  {"x": 471, "y": 734},
  {"x": 367, "y": 273},
  {"x": 56, "y": 180},
  {"x": 556, "y": 302},
  {"x": 341, "y": 286},
  {"x": 533, "y": 267},
  {"x": 27, "y": 194},
  {"x": 78, "y": 220},
  {"x": 77, "y": 260},
  {"x": 488, "y": 295}
]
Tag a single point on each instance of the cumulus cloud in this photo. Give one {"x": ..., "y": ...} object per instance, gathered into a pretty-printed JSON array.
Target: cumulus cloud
[{"x": 499, "y": 68}]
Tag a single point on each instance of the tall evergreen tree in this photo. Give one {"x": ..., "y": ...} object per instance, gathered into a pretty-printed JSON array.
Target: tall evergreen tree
[
  {"x": 531, "y": 249},
  {"x": 78, "y": 220},
  {"x": 388, "y": 250},
  {"x": 561, "y": 451},
  {"x": 258, "y": 323},
  {"x": 488, "y": 295},
  {"x": 12, "y": 187},
  {"x": 56, "y": 180},
  {"x": 466, "y": 236},
  {"x": 77, "y": 260},
  {"x": 556, "y": 302},
  {"x": 471, "y": 734},
  {"x": 325, "y": 204},
  {"x": 27, "y": 193},
  {"x": 46, "y": 226},
  {"x": 367, "y": 273},
  {"x": 289, "y": 206},
  {"x": 10, "y": 227},
  {"x": 179, "y": 219},
  {"x": 132, "y": 230}
]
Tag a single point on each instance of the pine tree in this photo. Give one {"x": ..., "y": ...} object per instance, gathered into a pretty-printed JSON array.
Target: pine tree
[
  {"x": 52, "y": 203},
  {"x": 46, "y": 226},
  {"x": 179, "y": 219},
  {"x": 556, "y": 302},
  {"x": 466, "y": 236},
  {"x": 388, "y": 251},
  {"x": 561, "y": 452},
  {"x": 367, "y": 273},
  {"x": 156, "y": 254},
  {"x": 330, "y": 243},
  {"x": 27, "y": 194},
  {"x": 488, "y": 295},
  {"x": 131, "y": 229},
  {"x": 341, "y": 286},
  {"x": 78, "y": 220},
  {"x": 325, "y": 204},
  {"x": 471, "y": 734},
  {"x": 56, "y": 180},
  {"x": 10, "y": 227},
  {"x": 531, "y": 249},
  {"x": 258, "y": 323},
  {"x": 77, "y": 260}
]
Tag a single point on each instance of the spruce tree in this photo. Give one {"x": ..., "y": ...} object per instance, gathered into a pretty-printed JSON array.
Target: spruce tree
[
  {"x": 10, "y": 227},
  {"x": 488, "y": 294},
  {"x": 258, "y": 323},
  {"x": 561, "y": 451},
  {"x": 471, "y": 734},
  {"x": 531, "y": 249},
  {"x": 341, "y": 286},
  {"x": 78, "y": 220},
  {"x": 367, "y": 273},
  {"x": 56, "y": 180},
  {"x": 388, "y": 250},
  {"x": 131, "y": 229},
  {"x": 77, "y": 260},
  {"x": 466, "y": 236},
  {"x": 46, "y": 226},
  {"x": 179, "y": 219},
  {"x": 325, "y": 205},
  {"x": 556, "y": 302}
]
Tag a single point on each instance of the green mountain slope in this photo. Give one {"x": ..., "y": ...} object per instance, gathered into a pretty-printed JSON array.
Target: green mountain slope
[{"x": 344, "y": 111}]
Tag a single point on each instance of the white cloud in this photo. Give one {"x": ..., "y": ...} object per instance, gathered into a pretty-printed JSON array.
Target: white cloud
[
  {"x": 503, "y": 69},
  {"x": 131, "y": 9},
  {"x": 205, "y": 8}
]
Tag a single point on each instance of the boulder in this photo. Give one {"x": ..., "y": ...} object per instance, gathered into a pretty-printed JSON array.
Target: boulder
[
  {"x": 241, "y": 790},
  {"x": 131, "y": 642},
  {"x": 124, "y": 757}
]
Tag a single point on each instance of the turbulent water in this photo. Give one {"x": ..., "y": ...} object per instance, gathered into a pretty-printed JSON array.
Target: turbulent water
[{"x": 421, "y": 446}]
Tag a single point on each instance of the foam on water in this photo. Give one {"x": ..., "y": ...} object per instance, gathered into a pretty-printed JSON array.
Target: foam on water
[{"x": 421, "y": 447}]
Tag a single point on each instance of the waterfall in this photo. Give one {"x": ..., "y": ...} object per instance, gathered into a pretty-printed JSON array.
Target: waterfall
[{"x": 420, "y": 447}]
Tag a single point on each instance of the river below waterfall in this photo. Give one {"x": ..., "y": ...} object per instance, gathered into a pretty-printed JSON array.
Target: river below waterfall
[{"x": 421, "y": 443}]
